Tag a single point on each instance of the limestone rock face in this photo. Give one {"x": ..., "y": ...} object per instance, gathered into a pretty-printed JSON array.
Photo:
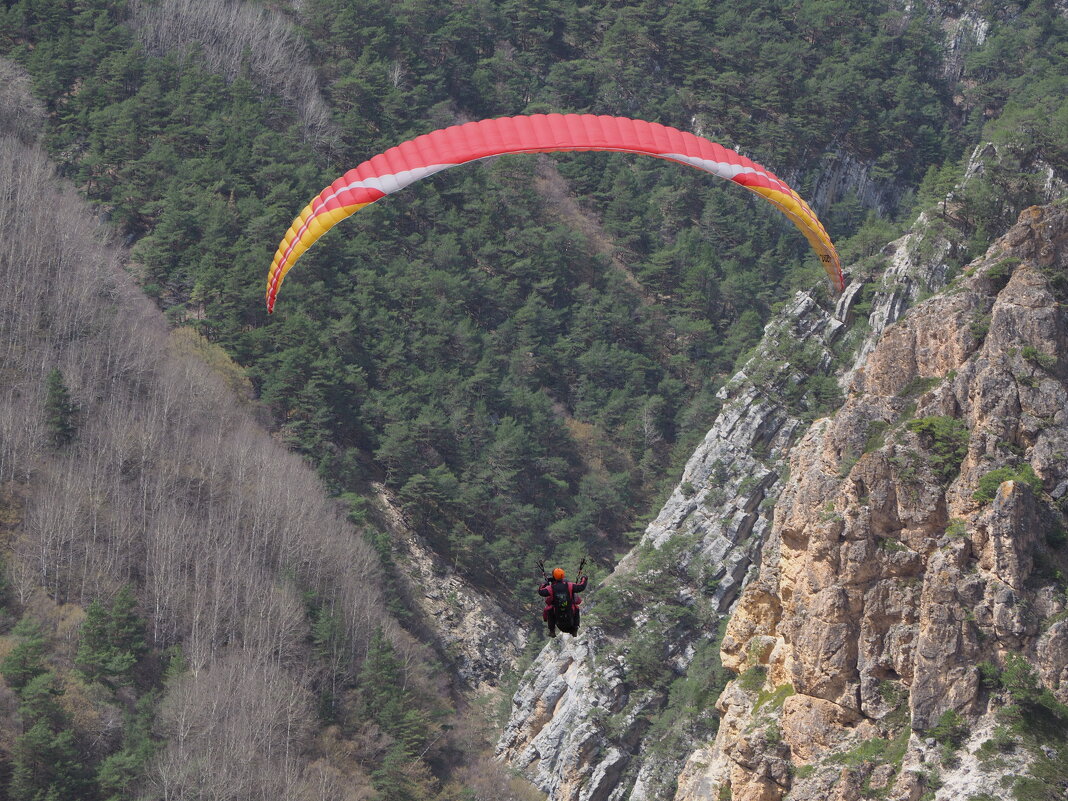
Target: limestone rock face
[
  {"x": 596, "y": 743},
  {"x": 887, "y": 578},
  {"x": 882, "y": 581}
]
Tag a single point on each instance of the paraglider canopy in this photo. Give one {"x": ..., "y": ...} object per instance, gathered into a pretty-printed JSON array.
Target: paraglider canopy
[{"x": 425, "y": 155}]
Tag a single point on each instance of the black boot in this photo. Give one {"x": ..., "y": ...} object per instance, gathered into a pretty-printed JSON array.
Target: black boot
[{"x": 552, "y": 630}]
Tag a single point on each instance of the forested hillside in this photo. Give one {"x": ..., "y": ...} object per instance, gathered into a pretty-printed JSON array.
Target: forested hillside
[
  {"x": 479, "y": 346},
  {"x": 522, "y": 351}
]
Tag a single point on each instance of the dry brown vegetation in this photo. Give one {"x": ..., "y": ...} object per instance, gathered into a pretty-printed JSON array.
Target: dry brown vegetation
[{"x": 168, "y": 484}]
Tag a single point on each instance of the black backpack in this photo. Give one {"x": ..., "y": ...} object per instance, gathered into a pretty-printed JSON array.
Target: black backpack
[{"x": 562, "y": 604}]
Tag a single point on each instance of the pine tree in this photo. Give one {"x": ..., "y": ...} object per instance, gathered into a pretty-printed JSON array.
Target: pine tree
[
  {"x": 112, "y": 640},
  {"x": 117, "y": 772},
  {"x": 94, "y": 646},
  {"x": 37, "y": 701},
  {"x": 26, "y": 660},
  {"x": 60, "y": 411},
  {"x": 46, "y": 766},
  {"x": 127, "y": 633}
]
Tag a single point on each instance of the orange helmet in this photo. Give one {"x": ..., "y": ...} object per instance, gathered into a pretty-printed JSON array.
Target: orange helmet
[{"x": 558, "y": 573}]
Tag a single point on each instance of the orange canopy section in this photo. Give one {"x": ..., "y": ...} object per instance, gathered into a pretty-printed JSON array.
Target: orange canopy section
[{"x": 425, "y": 155}]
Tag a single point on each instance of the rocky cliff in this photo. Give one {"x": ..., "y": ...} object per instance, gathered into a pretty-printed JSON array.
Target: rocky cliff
[
  {"x": 886, "y": 615},
  {"x": 877, "y": 601},
  {"x": 478, "y": 639},
  {"x": 591, "y": 720}
]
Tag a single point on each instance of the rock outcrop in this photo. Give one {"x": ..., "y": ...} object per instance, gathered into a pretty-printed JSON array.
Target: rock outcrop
[
  {"x": 842, "y": 638},
  {"x": 899, "y": 561},
  {"x": 594, "y": 740},
  {"x": 475, "y": 637},
  {"x": 869, "y": 564}
]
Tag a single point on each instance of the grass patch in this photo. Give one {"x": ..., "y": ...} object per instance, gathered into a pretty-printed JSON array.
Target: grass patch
[
  {"x": 774, "y": 699},
  {"x": 804, "y": 771},
  {"x": 880, "y": 750}
]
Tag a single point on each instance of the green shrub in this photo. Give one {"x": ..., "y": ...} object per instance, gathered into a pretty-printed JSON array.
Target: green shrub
[
  {"x": 610, "y": 607},
  {"x": 1028, "y": 788},
  {"x": 1038, "y": 358},
  {"x": 876, "y": 435},
  {"x": 957, "y": 527},
  {"x": 645, "y": 655},
  {"x": 989, "y": 482},
  {"x": 918, "y": 386},
  {"x": 947, "y": 440},
  {"x": 1000, "y": 273},
  {"x": 1002, "y": 742},
  {"x": 753, "y": 679},
  {"x": 951, "y": 730},
  {"x": 878, "y": 749},
  {"x": 989, "y": 675},
  {"x": 980, "y": 326},
  {"x": 891, "y": 692},
  {"x": 1021, "y": 680},
  {"x": 804, "y": 771}
]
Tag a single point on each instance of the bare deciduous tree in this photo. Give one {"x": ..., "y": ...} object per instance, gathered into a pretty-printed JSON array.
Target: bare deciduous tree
[
  {"x": 235, "y": 731},
  {"x": 169, "y": 483},
  {"x": 233, "y": 36},
  {"x": 21, "y": 114}
]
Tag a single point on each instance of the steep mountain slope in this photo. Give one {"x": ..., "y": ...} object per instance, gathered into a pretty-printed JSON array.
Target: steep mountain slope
[
  {"x": 468, "y": 347},
  {"x": 868, "y": 548},
  {"x": 125, "y": 459},
  {"x": 581, "y": 719},
  {"x": 612, "y": 715}
]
